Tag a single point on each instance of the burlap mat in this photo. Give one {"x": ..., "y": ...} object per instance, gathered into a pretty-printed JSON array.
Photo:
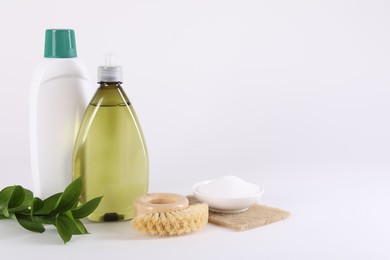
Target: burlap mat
[{"x": 255, "y": 216}]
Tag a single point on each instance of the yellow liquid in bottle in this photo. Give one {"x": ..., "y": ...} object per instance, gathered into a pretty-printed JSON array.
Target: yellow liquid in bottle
[{"x": 111, "y": 156}]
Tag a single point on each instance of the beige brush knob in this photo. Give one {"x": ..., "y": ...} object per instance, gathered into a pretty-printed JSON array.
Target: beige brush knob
[{"x": 159, "y": 203}]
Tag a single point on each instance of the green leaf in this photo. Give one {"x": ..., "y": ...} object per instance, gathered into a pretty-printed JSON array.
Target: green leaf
[
  {"x": 11, "y": 196},
  {"x": 67, "y": 226},
  {"x": 5, "y": 196},
  {"x": 35, "y": 205},
  {"x": 81, "y": 227},
  {"x": 28, "y": 199},
  {"x": 45, "y": 219},
  {"x": 17, "y": 197},
  {"x": 87, "y": 208},
  {"x": 76, "y": 227},
  {"x": 59, "y": 210},
  {"x": 49, "y": 204},
  {"x": 70, "y": 197},
  {"x": 63, "y": 224},
  {"x": 28, "y": 223}
]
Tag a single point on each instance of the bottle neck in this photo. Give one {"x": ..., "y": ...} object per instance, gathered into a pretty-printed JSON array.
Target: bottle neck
[
  {"x": 110, "y": 84},
  {"x": 110, "y": 94}
]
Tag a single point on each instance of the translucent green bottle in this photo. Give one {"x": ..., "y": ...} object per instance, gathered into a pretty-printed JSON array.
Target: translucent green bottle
[{"x": 110, "y": 152}]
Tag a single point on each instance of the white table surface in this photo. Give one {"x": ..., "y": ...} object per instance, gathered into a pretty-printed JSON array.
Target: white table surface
[{"x": 334, "y": 215}]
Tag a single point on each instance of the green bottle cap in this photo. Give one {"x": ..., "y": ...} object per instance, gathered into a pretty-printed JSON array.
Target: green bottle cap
[{"x": 60, "y": 44}]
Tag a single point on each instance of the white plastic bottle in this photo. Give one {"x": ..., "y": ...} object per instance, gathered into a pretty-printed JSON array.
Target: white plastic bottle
[{"x": 59, "y": 95}]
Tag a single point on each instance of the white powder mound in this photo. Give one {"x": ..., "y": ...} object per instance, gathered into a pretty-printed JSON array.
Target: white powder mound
[{"x": 229, "y": 187}]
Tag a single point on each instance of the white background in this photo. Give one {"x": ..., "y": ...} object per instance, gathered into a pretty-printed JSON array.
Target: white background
[{"x": 292, "y": 95}]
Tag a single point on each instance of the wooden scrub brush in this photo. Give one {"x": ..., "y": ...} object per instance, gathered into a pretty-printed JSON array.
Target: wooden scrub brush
[{"x": 167, "y": 214}]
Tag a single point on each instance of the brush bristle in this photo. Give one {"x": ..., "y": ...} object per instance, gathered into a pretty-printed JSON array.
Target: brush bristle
[{"x": 173, "y": 223}]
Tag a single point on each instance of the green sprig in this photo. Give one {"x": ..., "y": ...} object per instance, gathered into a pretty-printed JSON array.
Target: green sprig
[{"x": 60, "y": 210}]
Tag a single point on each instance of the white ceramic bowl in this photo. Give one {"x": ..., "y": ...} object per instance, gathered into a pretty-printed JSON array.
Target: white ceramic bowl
[{"x": 227, "y": 204}]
